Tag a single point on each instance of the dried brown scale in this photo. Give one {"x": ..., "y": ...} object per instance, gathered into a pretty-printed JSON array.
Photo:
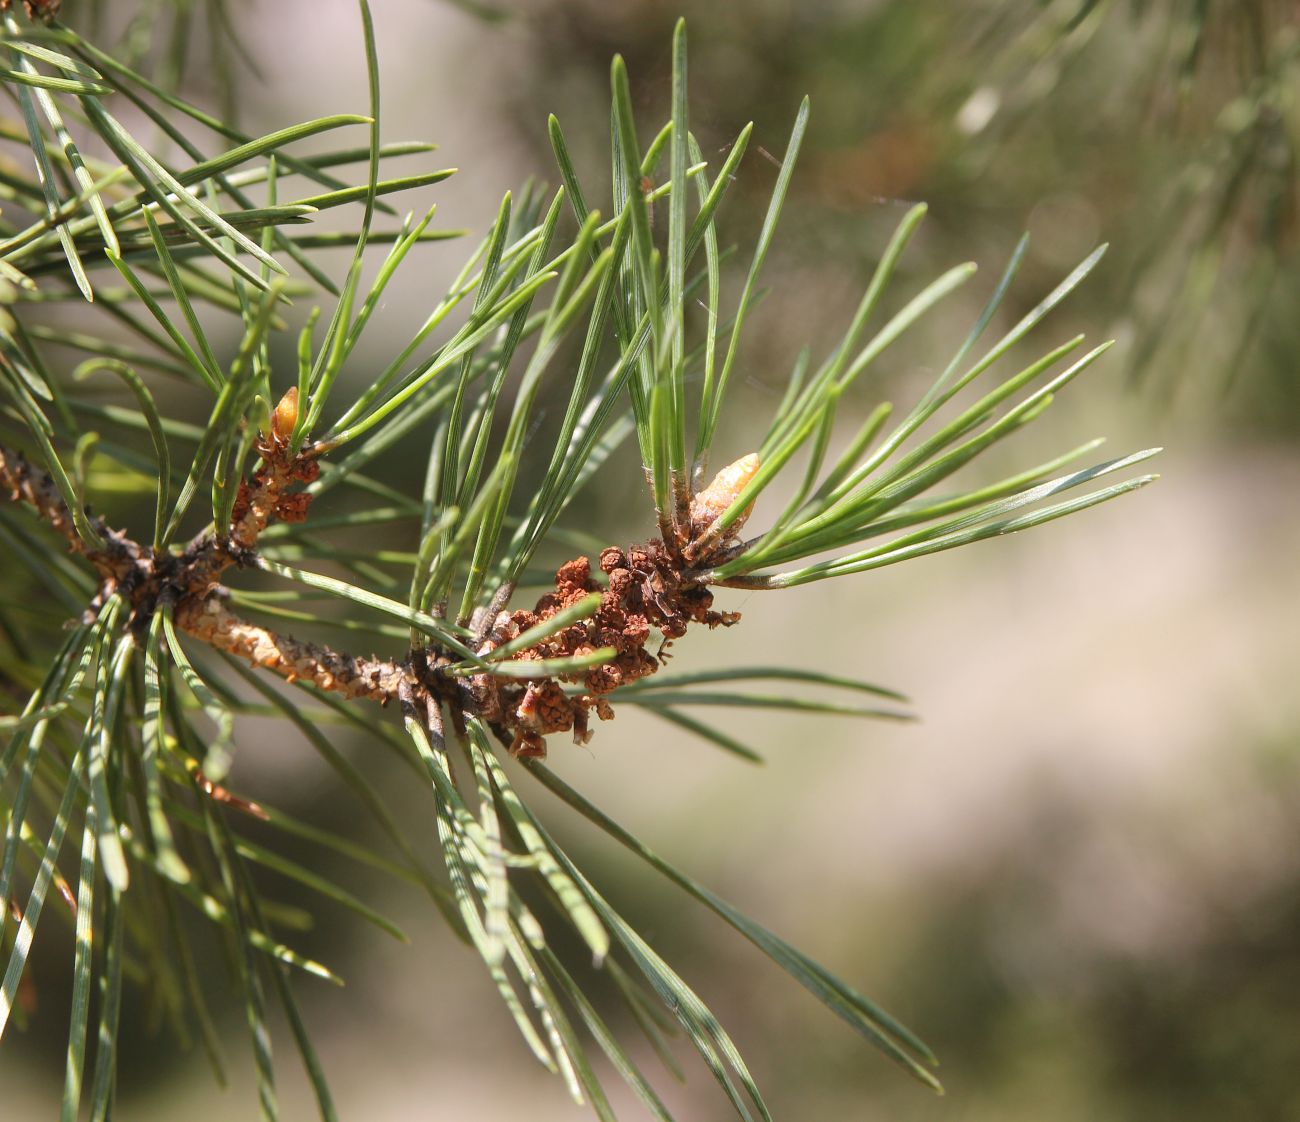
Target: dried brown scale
[
  {"x": 35, "y": 9},
  {"x": 219, "y": 794}
]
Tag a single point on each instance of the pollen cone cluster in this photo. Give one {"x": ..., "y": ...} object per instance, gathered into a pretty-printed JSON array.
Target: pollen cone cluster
[{"x": 643, "y": 597}]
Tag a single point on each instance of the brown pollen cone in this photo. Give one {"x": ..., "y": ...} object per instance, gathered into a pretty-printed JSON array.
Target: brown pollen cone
[{"x": 644, "y": 593}]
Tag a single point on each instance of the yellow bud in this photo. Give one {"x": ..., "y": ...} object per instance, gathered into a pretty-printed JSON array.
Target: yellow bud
[
  {"x": 709, "y": 505},
  {"x": 286, "y": 414}
]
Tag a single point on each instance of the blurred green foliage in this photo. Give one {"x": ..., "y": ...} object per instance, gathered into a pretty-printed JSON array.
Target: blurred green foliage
[{"x": 1169, "y": 129}]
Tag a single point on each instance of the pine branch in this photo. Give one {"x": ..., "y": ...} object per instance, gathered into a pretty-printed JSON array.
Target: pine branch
[
  {"x": 153, "y": 781},
  {"x": 189, "y": 582},
  {"x": 581, "y": 632}
]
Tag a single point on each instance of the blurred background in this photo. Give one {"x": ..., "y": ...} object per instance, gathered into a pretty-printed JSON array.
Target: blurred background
[{"x": 1078, "y": 876}]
